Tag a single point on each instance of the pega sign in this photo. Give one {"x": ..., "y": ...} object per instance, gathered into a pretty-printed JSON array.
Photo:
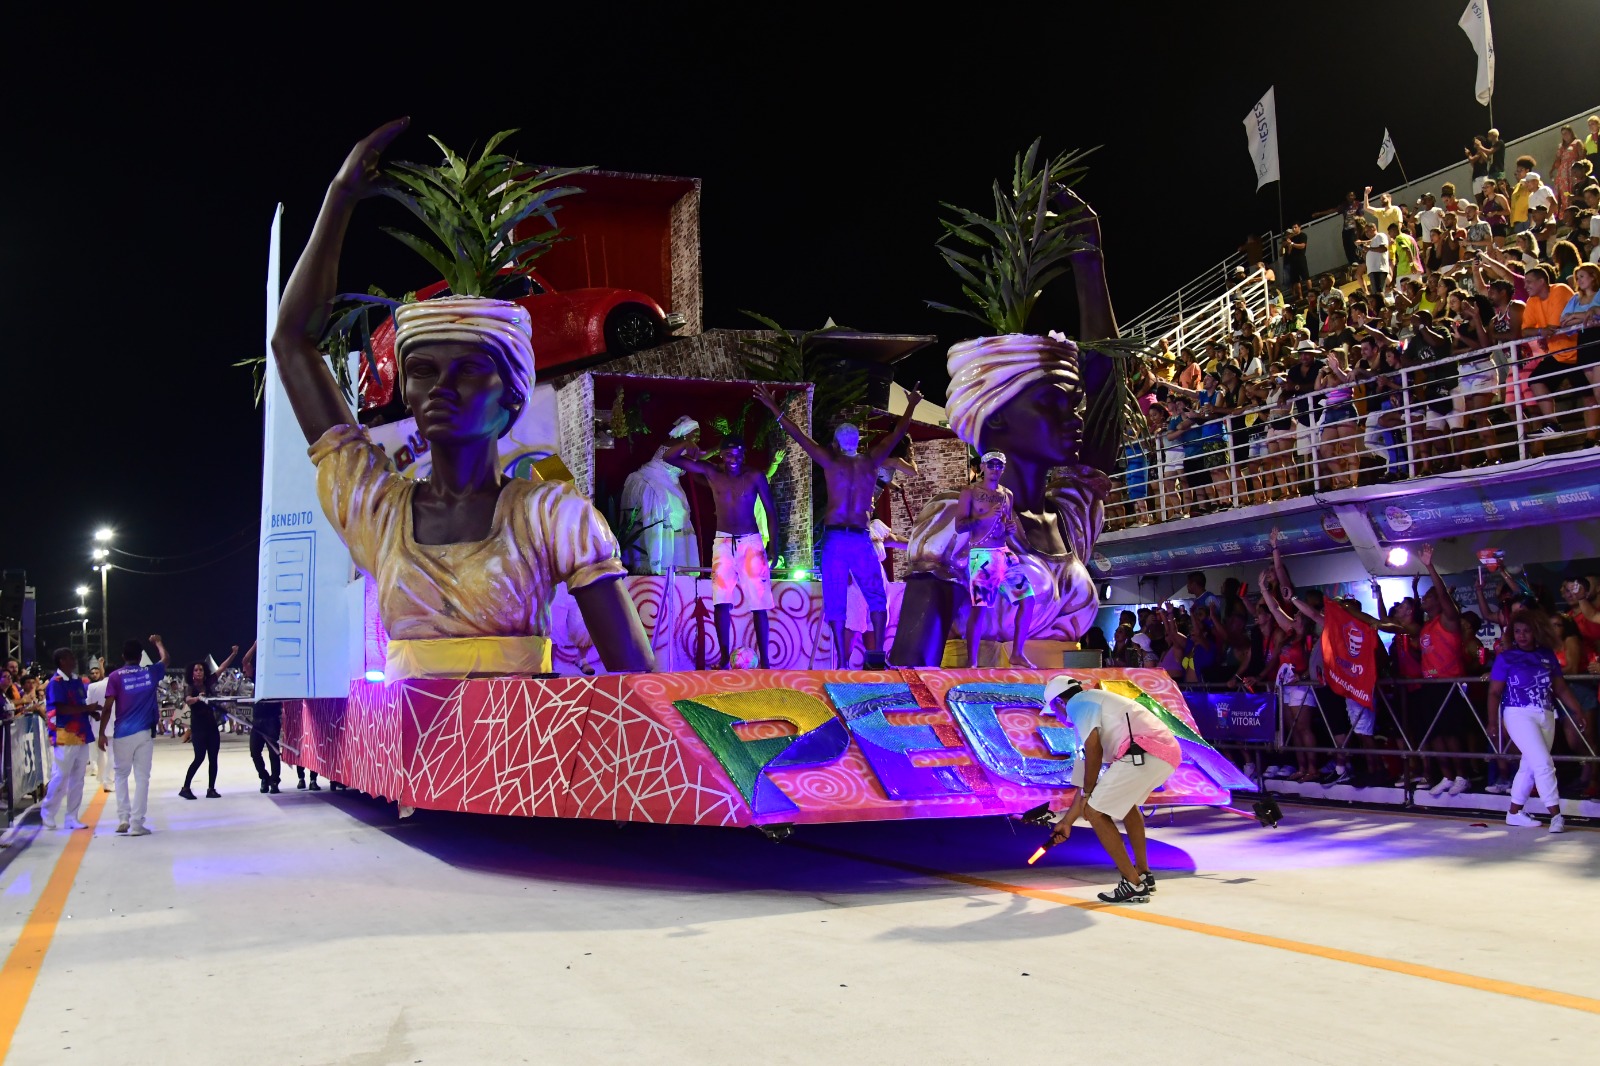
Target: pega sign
[{"x": 975, "y": 740}]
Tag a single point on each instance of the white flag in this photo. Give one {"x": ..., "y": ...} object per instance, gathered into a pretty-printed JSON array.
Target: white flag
[
  {"x": 1475, "y": 24},
  {"x": 1261, "y": 129},
  {"x": 1385, "y": 151}
]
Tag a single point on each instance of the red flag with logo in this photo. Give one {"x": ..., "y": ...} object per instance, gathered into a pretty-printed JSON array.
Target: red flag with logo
[{"x": 1349, "y": 653}]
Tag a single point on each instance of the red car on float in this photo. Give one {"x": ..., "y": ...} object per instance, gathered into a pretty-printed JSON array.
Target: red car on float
[{"x": 570, "y": 330}]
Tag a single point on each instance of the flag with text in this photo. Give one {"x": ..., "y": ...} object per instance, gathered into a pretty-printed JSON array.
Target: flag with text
[{"x": 1261, "y": 129}]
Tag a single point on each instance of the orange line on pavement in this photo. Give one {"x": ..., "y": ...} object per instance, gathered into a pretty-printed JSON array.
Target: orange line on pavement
[
  {"x": 22, "y": 966},
  {"x": 1138, "y": 914}
]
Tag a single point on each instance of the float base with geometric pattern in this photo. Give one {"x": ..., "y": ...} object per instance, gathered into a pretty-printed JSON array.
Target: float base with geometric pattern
[{"x": 732, "y": 748}]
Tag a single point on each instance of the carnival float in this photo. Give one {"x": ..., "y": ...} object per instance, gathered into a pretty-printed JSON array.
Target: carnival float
[{"x": 483, "y": 592}]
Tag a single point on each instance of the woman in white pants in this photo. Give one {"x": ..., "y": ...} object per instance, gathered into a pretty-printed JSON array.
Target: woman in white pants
[{"x": 1522, "y": 683}]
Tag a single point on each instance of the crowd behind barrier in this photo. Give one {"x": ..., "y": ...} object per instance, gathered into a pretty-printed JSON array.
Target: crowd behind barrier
[
  {"x": 1253, "y": 673},
  {"x": 1467, "y": 335}
]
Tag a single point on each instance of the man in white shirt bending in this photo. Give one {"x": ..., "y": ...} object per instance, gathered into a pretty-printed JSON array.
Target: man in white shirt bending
[{"x": 1127, "y": 752}]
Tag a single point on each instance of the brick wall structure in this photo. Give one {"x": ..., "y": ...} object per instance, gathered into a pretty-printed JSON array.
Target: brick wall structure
[{"x": 684, "y": 253}]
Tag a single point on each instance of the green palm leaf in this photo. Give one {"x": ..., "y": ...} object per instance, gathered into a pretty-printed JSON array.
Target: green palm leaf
[
  {"x": 1022, "y": 248},
  {"x": 471, "y": 209}
]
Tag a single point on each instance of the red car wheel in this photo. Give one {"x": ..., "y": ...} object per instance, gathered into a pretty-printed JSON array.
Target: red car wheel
[{"x": 632, "y": 328}]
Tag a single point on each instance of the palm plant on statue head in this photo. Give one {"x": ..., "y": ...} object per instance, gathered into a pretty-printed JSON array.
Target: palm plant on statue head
[
  {"x": 472, "y": 209},
  {"x": 1005, "y": 262}
]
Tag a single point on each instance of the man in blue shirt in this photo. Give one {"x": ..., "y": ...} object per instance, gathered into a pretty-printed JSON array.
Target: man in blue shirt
[
  {"x": 133, "y": 694},
  {"x": 69, "y": 716}
]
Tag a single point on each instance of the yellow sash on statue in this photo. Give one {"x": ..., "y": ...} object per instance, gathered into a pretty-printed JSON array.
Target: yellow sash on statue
[{"x": 467, "y": 657}]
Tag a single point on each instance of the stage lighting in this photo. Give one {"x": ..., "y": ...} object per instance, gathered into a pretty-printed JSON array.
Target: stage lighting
[
  {"x": 374, "y": 675},
  {"x": 100, "y": 553},
  {"x": 799, "y": 575},
  {"x": 1399, "y": 557},
  {"x": 82, "y": 590},
  {"x": 102, "y": 535},
  {"x": 83, "y": 610}
]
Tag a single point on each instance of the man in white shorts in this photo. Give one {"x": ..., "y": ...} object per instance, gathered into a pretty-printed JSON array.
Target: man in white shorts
[
  {"x": 1138, "y": 752},
  {"x": 739, "y": 564}
]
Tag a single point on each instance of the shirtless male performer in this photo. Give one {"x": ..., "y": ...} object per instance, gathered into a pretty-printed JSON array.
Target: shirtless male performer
[
  {"x": 989, "y": 519},
  {"x": 738, "y": 557},
  {"x": 847, "y": 550}
]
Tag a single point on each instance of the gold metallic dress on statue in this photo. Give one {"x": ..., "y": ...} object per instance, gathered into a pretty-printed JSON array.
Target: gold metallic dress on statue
[{"x": 475, "y": 609}]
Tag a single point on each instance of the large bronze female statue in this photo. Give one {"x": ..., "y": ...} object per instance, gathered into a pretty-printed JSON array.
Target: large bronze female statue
[
  {"x": 466, "y": 562},
  {"x": 1021, "y": 395}
]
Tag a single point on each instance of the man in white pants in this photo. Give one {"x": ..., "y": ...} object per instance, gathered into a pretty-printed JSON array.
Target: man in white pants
[
  {"x": 70, "y": 718},
  {"x": 1141, "y": 752},
  {"x": 133, "y": 695},
  {"x": 104, "y": 772}
]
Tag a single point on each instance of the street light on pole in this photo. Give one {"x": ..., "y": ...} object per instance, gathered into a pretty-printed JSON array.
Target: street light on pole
[
  {"x": 83, "y": 613},
  {"x": 102, "y": 556}
]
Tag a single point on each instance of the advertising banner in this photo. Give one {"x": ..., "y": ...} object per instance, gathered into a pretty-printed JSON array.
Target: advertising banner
[
  {"x": 308, "y": 605},
  {"x": 1234, "y": 717},
  {"x": 27, "y": 754},
  {"x": 1349, "y": 653}
]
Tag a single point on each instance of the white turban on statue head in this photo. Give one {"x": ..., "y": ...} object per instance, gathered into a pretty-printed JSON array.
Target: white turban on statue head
[
  {"x": 497, "y": 325},
  {"x": 988, "y": 373}
]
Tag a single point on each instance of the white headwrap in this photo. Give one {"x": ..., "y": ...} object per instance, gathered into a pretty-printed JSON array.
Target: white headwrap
[
  {"x": 498, "y": 325},
  {"x": 987, "y": 373}
]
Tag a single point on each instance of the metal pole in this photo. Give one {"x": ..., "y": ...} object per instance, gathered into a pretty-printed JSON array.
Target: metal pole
[
  {"x": 1515, "y": 373},
  {"x": 105, "y": 613},
  {"x": 1405, "y": 391}
]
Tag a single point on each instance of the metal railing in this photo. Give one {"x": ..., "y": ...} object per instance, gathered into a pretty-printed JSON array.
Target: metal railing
[
  {"x": 1408, "y": 428},
  {"x": 1409, "y": 714},
  {"x": 1194, "y": 295}
]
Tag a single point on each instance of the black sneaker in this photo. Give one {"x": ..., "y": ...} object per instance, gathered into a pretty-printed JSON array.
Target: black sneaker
[
  {"x": 315, "y": 787},
  {"x": 213, "y": 794},
  {"x": 1147, "y": 881},
  {"x": 302, "y": 785},
  {"x": 264, "y": 787},
  {"x": 1126, "y": 892},
  {"x": 274, "y": 790},
  {"x": 186, "y": 793}
]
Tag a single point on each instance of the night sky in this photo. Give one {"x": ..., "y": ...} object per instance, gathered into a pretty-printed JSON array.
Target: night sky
[{"x": 144, "y": 157}]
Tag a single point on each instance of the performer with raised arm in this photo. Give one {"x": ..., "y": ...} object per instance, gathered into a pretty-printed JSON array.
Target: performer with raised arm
[
  {"x": 739, "y": 559},
  {"x": 989, "y": 521},
  {"x": 466, "y": 561},
  {"x": 846, "y": 549},
  {"x": 133, "y": 696}
]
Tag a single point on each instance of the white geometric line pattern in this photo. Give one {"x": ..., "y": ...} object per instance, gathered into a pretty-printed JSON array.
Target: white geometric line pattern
[{"x": 631, "y": 767}]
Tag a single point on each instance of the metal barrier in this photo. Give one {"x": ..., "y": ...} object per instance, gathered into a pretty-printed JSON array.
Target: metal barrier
[
  {"x": 1195, "y": 296},
  {"x": 25, "y": 766},
  {"x": 1412, "y": 711},
  {"x": 1400, "y": 429}
]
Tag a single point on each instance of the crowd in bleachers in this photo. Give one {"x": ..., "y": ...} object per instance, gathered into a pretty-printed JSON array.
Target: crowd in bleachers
[{"x": 1464, "y": 331}]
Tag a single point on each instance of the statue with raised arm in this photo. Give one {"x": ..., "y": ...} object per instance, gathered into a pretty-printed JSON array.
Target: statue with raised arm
[
  {"x": 847, "y": 549},
  {"x": 1018, "y": 394},
  {"x": 466, "y": 562}
]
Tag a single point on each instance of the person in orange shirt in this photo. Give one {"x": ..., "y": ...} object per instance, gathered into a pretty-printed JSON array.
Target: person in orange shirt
[{"x": 1561, "y": 366}]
